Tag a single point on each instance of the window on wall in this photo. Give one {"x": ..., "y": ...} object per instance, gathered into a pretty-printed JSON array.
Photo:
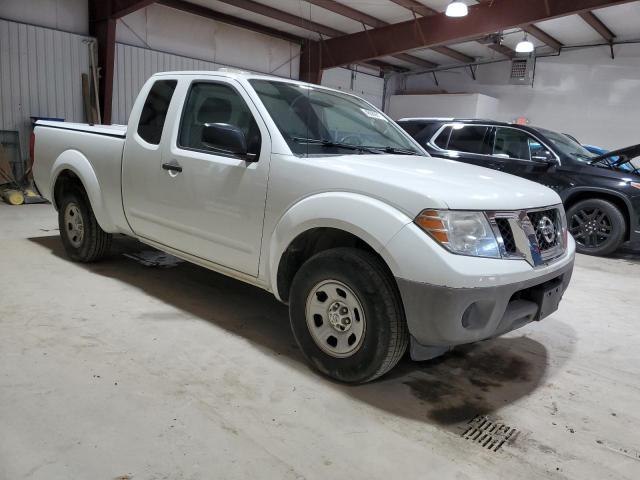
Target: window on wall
[
  {"x": 154, "y": 111},
  {"x": 468, "y": 139},
  {"x": 210, "y": 102}
]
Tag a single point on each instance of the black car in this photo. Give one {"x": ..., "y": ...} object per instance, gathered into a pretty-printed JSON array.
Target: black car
[{"x": 602, "y": 200}]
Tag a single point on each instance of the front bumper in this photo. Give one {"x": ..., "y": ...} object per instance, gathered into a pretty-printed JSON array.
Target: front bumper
[{"x": 440, "y": 317}]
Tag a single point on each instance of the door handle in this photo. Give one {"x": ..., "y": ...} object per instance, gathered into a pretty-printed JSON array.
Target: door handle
[{"x": 172, "y": 167}]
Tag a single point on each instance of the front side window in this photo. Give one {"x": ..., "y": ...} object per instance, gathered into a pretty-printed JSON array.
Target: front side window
[
  {"x": 468, "y": 139},
  {"x": 513, "y": 143},
  {"x": 209, "y": 102},
  {"x": 154, "y": 111},
  {"x": 568, "y": 146},
  {"x": 316, "y": 121}
]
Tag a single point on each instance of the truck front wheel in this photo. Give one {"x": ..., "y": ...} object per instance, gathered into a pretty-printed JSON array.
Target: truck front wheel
[
  {"x": 347, "y": 316},
  {"x": 82, "y": 237}
]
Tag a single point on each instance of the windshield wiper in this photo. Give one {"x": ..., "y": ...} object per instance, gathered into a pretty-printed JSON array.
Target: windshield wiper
[
  {"x": 332, "y": 144},
  {"x": 395, "y": 150}
]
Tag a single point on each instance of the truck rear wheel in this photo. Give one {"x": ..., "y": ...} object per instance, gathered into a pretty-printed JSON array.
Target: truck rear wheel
[
  {"x": 347, "y": 316},
  {"x": 597, "y": 226},
  {"x": 82, "y": 237}
]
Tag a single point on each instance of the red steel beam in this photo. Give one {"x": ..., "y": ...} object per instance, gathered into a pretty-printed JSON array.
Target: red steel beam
[
  {"x": 597, "y": 24},
  {"x": 416, "y": 7},
  {"x": 211, "y": 14},
  {"x": 103, "y": 27},
  {"x": 543, "y": 36},
  {"x": 349, "y": 12},
  {"x": 122, "y": 8},
  {"x": 502, "y": 50},
  {"x": 310, "y": 25},
  {"x": 367, "y": 19},
  {"x": 435, "y": 30},
  {"x": 536, "y": 32}
]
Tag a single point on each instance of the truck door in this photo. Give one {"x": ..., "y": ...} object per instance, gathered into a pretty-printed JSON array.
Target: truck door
[{"x": 197, "y": 198}]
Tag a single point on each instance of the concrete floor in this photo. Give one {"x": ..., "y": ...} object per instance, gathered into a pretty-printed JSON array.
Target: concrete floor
[{"x": 120, "y": 370}]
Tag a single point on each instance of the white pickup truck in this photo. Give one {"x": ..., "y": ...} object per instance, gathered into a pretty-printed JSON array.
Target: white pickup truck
[{"x": 318, "y": 197}]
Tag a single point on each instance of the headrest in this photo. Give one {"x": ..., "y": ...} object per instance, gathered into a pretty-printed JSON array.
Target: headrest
[{"x": 214, "y": 110}]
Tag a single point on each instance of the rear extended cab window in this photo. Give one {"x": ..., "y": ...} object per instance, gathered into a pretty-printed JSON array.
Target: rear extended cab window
[{"x": 154, "y": 112}]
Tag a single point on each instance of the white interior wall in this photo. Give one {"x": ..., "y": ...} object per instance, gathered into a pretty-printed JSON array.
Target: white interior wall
[
  {"x": 582, "y": 92},
  {"x": 66, "y": 15},
  {"x": 365, "y": 85},
  {"x": 171, "y": 31},
  {"x": 459, "y": 105}
]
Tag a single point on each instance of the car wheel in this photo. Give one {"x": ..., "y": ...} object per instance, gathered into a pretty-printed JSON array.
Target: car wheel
[
  {"x": 82, "y": 237},
  {"x": 597, "y": 226},
  {"x": 347, "y": 316}
]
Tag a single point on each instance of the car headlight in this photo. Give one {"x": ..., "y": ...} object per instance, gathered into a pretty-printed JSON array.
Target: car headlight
[{"x": 461, "y": 232}]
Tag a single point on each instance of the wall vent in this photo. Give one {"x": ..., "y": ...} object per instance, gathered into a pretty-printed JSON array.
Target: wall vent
[{"x": 522, "y": 71}]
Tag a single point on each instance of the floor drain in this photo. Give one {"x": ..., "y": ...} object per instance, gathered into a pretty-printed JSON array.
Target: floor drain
[{"x": 487, "y": 433}]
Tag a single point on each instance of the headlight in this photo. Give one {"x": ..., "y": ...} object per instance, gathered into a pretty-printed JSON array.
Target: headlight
[{"x": 464, "y": 233}]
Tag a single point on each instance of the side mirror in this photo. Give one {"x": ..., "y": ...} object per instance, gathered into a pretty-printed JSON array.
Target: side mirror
[
  {"x": 544, "y": 156},
  {"x": 224, "y": 137}
]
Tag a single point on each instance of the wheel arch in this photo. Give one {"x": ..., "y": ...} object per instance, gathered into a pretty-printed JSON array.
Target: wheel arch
[
  {"x": 330, "y": 220},
  {"x": 72, "y": 170},
  {"x": 616, "y": 198}
]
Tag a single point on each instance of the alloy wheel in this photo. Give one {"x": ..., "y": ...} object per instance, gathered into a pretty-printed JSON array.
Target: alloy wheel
[{"x": 590, "y": 227}]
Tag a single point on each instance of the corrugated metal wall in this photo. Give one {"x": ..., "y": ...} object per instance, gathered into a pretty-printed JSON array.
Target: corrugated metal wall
[
  {"x": 40, "y": 75},
  {"x": 367, "y": 86},
  {"x": 134, "y": 66}
]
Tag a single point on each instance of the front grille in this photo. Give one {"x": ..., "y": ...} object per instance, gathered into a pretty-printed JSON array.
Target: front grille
[
  {"x": 507, "y": 235},
  {"x": 533, "y": 235},
  {"x": 546, "y": 224}
]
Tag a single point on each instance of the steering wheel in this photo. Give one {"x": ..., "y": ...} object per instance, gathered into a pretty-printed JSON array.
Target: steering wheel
[
  {"x": 292, "y": 105},
  {"x": 351, "y": 139}
]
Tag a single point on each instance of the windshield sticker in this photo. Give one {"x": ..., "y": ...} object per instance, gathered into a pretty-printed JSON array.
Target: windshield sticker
[{"x": 372, "y": 114}]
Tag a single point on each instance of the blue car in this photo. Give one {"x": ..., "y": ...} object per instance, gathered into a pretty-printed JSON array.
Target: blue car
[{"x": 602, "y": 151}]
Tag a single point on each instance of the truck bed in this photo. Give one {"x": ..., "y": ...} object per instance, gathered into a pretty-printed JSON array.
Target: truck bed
[
  {"x": 110, "y": 130},
  {"x": 91, "y": 152}
]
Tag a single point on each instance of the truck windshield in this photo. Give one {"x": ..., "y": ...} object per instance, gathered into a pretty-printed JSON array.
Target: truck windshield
[
  {"x": 316, "y": 121},
  {"x": 568, "y": 146}
]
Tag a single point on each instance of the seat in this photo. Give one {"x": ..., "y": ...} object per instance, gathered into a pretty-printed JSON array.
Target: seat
[{"x": 212, "y": 110}]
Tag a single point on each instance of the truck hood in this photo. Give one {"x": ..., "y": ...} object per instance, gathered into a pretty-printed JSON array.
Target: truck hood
[{"x": 414, "y": 183}]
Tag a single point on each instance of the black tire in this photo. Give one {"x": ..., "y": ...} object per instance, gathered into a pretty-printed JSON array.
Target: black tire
[
  {"x": 385, "y": 336},
  {"x": 598, "y": 226},
  {"x": 94, "y": 243}
]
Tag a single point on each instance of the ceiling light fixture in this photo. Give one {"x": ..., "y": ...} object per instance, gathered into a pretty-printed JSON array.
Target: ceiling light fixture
[
  {"x": 525, "y": 46},
  {"x": 456, "y": 9}
]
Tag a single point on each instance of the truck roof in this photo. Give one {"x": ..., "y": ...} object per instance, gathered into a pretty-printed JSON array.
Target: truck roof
[{"x": 246, "y": 75}]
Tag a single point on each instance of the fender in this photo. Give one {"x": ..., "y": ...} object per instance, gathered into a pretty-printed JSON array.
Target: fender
[
  {"x": 633, "y": 222},
  {"x": 372, "y": 220},
  {"x": 79, "y": 164},
  {"x": 567, "y": 194}
]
